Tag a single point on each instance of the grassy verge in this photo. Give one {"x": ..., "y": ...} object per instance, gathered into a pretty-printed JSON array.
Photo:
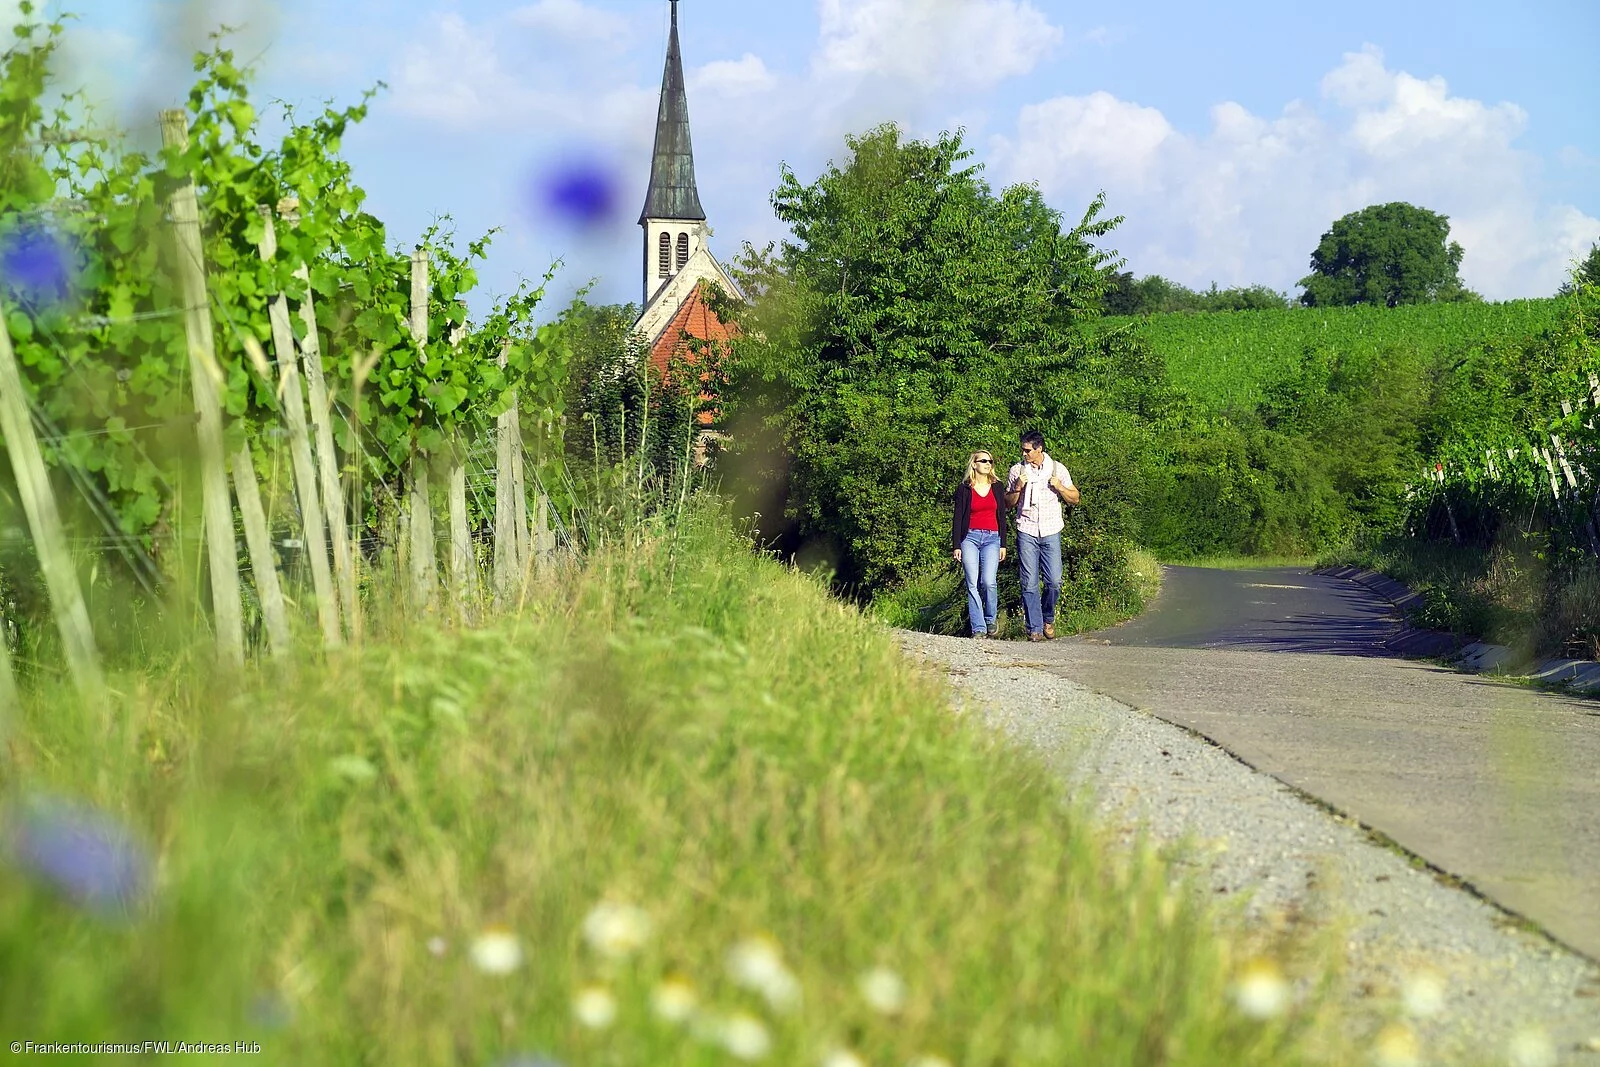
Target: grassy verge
[
  {"x": 1244, "y": 563},
  {"x": 935, "y": 601},
  {"x": 1508, "y": 595},
  {"x": 397, "y": 857}
]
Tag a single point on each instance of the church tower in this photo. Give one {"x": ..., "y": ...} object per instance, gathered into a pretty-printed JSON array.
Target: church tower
[{"x": 673, "y": 220}]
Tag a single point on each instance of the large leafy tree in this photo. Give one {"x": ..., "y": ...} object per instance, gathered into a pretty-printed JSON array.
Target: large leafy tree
[
  {"x": 1586, "y": 273},
  {"x": 1386, "y": 254},
  {"x": 914, "y": 316}
]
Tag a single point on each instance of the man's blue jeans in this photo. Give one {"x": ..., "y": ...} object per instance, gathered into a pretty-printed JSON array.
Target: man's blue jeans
[
  {"x": 980, "y": 559},
  {"x": 1033, "y": 555}
]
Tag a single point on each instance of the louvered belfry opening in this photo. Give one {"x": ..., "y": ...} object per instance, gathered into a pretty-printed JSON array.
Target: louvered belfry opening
[
  {"x": 683, "y": 250},
  {"x": 665, "y": 258}
]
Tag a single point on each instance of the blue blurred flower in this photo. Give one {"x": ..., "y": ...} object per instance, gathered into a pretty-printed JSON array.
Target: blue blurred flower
[
  {"x": 36, "y": 263},
  {"x": 579, "y": 192},
  {"x": 83, "y": 853},
  {"x": 270, "y": 1011}
]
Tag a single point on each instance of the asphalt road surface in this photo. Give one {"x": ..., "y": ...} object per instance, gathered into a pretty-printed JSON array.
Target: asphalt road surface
[{"x": 1492, "y": 782}]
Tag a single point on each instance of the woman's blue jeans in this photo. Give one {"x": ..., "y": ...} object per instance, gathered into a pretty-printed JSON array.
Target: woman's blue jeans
[{"x": 980, "y": 558}]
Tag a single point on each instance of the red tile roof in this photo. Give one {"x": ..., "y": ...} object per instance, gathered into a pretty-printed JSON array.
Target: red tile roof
[{"x": 695, "y": 321}]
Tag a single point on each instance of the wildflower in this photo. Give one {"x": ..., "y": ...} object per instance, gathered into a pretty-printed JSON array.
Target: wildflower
[
  {"x": 594, "y": 1007},
  {"x": 746, "y": 1037},
  {"x": 1261, "y": 992},
  {"x": 673, "y": 1000},
  {"x": 496, "y": 951},
  {"x": 582, "y": 193},
  {"x": 437, "y": 947},
  {"x": 843, "y": 1057},
  {"x": 270, "y": 1011},
  {"x": 756, "y": 964},
  {"x": 1531, "y": 1047},
  {"x": 83, "y": 853},
  {"x": 36, "y": 264},
  {"x": 1396, "y": 1047},
  {"x": 1422, "y": 993},
  {"x": 616, "y": 930},
  {"x": 883, "y": 990}
]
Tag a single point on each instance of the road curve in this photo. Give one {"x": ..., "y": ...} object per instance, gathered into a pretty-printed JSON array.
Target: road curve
[{"x": 1494, "y": 783}]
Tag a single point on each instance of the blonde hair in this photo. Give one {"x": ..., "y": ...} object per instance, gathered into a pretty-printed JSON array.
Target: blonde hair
[{"x": 972, "y": 466}]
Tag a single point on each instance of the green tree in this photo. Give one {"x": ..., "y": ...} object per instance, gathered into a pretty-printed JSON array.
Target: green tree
[
  {"x": 1155, "y": 295},
  {"x": 1386, "y": 254},
  {"x": 1586, "y": 273},
  {"x": 915, "y": 315}
]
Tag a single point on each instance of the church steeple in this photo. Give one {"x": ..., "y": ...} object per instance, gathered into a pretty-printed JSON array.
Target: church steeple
[{"x": 672, "y": 194}]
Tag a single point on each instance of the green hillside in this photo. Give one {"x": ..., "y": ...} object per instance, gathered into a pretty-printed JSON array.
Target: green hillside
[{"x": 1226, "y": 358}]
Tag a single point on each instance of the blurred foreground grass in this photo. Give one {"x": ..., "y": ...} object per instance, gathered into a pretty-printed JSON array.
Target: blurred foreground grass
[{"x": 684, "y": 809}]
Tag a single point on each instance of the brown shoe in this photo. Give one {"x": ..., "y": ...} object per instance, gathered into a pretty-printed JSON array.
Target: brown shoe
[
  {"x": 1036, "y": 637},
  {"x": 1050, "y": 631}
]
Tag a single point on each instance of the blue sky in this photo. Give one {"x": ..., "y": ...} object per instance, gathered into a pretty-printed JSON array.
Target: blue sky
[{"x": 1230, "y": 135}]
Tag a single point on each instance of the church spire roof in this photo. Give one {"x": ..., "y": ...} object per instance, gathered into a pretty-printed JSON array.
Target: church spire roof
[{"x": 673, "y": 194}]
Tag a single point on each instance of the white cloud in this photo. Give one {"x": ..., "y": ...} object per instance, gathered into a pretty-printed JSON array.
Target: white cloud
[
  {"x": 1247, "y": 200},
  {"x": 572, "y": 20},
  {"x": 733, "y": 77},
  {"x": 949, "y": 44},
  {"x": 473, "y": 77}
]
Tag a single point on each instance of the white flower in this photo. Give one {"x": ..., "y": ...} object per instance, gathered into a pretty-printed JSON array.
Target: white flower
[
  {"x": 1422, "y": 993},
  {"x": 1396, "y": 1047},
  {"x": 843, "y": 1057},
  {"x": 496, "y": 951},
  {"x": 746, "y": 1037},
  {"x": 438, "y": 946},
  {"x": 756, "y": 964},
  {"x": 594, "y": 1007},
  {"x": 1261, "y": 992},
  {"x": 883, "y": 990},
  {"x": 673, "y": 1000},
  {"x": 616, "y": 930},
  {"x": 1531, "y": 1047}
]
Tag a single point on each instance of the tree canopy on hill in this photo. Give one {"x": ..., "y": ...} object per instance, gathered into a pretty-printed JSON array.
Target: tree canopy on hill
[
  {"x": 1155, "y": 295},
  {"x": 915, "y": 315},
  {"x": 1587, "y": 272},
  {"x": 1386, "y": 254}
]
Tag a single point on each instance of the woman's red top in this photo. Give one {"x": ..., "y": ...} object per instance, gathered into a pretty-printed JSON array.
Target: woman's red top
[{"x": 985, "y": 511}]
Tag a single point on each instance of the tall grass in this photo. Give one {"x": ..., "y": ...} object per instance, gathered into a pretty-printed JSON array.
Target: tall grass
[{"x": 718, "y": 744}]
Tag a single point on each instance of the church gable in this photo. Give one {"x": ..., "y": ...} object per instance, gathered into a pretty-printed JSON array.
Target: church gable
[{"x": 702, "y": 268}]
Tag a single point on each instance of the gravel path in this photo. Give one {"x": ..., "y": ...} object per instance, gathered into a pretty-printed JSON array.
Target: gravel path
[{"x": 1511, "y": 996}]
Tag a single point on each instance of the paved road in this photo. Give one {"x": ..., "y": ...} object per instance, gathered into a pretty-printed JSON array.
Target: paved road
[{"x": 1494, "y": 783}]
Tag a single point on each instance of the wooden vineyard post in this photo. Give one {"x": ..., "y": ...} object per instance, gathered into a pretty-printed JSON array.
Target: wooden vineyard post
[
  {"x": 544, "y": 538},
  {"x": 305, "y": 473},
  {"x": 423, "y": 567},
  {"x": 184, "y": 209},
  {"x": 519, "y": 501},
  {"x": 44, "y": 524},
  {"x": 10, "y": 699},
  {"x": 462, "y": 565},
  {"x": 258, "y": 540},
  {"x": 333, "y": 500},
  {"x": 508, "y": 565}
]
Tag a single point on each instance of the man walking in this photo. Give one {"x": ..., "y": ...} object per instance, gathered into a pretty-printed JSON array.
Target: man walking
[{"x": 1038, "y": 487}]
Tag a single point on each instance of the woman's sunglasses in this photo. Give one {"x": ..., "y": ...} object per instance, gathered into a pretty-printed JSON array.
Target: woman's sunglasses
[{"x": 988, "y": 461}]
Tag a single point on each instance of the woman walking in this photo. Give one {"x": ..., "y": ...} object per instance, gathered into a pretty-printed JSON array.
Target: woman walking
[{"x": 978, "y": 539}]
